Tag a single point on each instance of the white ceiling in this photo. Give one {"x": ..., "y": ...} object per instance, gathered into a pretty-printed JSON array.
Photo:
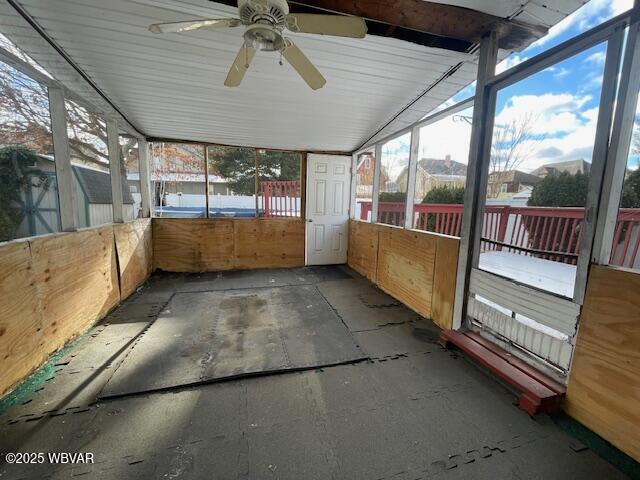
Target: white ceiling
[{"x": 171, "y": 86}]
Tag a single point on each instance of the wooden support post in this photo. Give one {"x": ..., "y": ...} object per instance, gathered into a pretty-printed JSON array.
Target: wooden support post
[
  {"x": 257, "y": 184},
  {"x": 354, "y": 173},
  {"x": 375, "y": 188},
  {"x": 598, "y": 160},
  {"x": 477, "y": 172},
  {"x": 206, "y": 180},
  {"x": 145, "y": 184},
  {"x": 64, "y": 173},
  {"x": 411, "y": 178},
  {"x": 114, "y": 169},
  {"x": 619, "y": 146}
]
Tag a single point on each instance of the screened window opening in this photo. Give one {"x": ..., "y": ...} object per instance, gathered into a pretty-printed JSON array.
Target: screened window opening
[
  {"x": 280, "y": 184},
  {"x": 543, "y": 138},
  {"x": 130, "y": 173},
  {"x": 441, "y": 173},
  {"x": 87, "y": 134},
  {"x": 29, "y": 203},
  {"x": 625, "y": 250},
  {"x": 232, "y": 181},
  {"x": 394, "y": 175},
  {"x": 365, "y": 171},
  {"x": 178, "y": 181}
]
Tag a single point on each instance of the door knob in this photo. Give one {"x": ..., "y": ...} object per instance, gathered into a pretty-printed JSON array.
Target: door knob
[{"x": 309, "y": 220}]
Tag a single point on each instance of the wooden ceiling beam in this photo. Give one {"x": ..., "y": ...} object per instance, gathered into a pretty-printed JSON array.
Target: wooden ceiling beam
[
  {"x": 423, "y": 22},
  {"x": 447, "y": 21}
]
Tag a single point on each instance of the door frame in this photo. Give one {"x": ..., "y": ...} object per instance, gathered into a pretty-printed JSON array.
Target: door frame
[{"x": 305, "y": 207}]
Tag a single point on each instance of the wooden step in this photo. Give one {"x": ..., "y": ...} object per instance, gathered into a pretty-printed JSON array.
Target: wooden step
[{"x": 538, "y": 393}]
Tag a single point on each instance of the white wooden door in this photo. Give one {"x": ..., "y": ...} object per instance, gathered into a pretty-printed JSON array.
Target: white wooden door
[{"x": 327, "y": 211}]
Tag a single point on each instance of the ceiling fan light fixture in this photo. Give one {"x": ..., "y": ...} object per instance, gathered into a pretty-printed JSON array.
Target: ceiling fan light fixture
[{"x": 264, "y": 38}]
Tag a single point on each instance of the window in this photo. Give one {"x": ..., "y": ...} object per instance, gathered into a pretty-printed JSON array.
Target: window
[
  {"x": 394, "y": 174},
  {"x": 625, "y": 250},
  {"x": 280, "y": 186},
  {"x": 130, "y": 166},
  {"x": 365, "y": 169},
  {"x": 443, "y": 155},
  {"x": 29, "y": 203},
  {"x": 87, "y": 134},
  {"x": 544, "y": 127},
  {"x": 178, "y": 180},
  {"x": 232, "y": 181}
]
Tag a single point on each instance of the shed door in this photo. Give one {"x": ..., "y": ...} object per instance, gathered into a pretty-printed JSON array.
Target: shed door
[{"x": 327, "y": 212}]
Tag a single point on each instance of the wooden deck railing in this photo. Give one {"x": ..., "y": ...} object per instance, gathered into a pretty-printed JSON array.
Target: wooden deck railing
[
  {"x": 281, "y": 198},
  {"x": 545, "y": 232}
]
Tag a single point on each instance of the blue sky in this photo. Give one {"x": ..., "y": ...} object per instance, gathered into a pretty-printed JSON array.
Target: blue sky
[{"x": 562, "y": 101}]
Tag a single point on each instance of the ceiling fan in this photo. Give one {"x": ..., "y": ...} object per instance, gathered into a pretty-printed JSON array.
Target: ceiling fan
[{"x": 265, "y": 21}]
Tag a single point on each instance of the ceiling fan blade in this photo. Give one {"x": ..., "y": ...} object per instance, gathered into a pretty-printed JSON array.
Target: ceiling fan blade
[
  {"x": 302, "y": 65},
  {"x": 240, "y": 66},
  {"x": 176, "y": 27},
  {"x": 337, "y": 25}
]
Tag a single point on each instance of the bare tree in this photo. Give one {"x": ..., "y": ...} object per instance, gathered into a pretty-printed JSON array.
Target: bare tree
[
  {"x": 512, "y": 143},
  {"x": 25, "y": 120}
]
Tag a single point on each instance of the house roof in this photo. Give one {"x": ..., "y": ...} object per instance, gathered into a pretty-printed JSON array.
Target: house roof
[
  {"x": 571, "y": 166},
  {"x": 437, "y": 166},
  {"x": 514, "y": 176},
  {"x": 171, "y": 86},
  {"x": 97, "y": 185}
]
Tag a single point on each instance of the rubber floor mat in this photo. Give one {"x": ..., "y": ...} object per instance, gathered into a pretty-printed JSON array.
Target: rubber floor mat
[{"x": 211, "y": 336}]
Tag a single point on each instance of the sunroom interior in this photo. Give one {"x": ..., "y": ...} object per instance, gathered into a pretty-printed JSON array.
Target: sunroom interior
[{"x": 319, "y": 239}]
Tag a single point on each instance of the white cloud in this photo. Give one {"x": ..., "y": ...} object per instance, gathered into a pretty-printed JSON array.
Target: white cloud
[
  {"x": 589, "y": 15},
  {"x": 598, "y": 58},
  {"x": 559, "y": 72},
  {"x": 552, "y": 113},
  {"x": 566, "y": 128},
  {"x": 509, "y": 62}
]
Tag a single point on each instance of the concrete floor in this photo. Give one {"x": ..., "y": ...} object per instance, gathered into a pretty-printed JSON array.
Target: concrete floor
[{"x": 411, "y": 410}]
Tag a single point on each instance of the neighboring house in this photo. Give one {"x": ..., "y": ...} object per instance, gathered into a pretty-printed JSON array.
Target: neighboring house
[
  {"x": 364, "y": 176},
  {"x": 177, "y": 175},
  {"x": 432, "y": 173},
  {"x": 506, "y": 184},
  {"x": 190, "y": 183},
  {"x": 555, "y": 169}
]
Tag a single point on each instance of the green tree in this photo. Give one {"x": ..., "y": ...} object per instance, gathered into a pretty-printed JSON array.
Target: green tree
[
  {"x": 238, "y": 166},
  {"x": 445, "y": 194},
  {"x": 392, "y": 197},
  {"x": 631, "y": 190},
  {"x": 564, "y": 190},
  {"x": 280, "y": 166},
  {"x": 14, "y": 164},
  {"x": 442, "y": 194}
]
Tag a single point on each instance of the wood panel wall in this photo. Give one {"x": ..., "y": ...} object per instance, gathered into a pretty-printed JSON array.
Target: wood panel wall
[
  {"x": 54, "y": 287},
  {"x": 204, "y": 245},
  {"x": 406, "y": 263},
  {"x": 362, "y": 253},
  {"x": 135, "y": 254},
  {"x": 604, "y": 382},
  {"x": 417, "y": 268}
]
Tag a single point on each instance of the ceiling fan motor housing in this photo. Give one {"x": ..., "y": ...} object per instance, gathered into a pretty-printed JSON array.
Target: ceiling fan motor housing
[{"x": 263, "y": 11}]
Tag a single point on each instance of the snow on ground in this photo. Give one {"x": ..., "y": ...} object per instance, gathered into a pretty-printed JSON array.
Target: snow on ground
[{"x": 544, "y": 274}]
